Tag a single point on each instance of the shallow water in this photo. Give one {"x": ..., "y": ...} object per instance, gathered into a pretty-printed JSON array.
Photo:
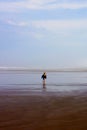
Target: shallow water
[
  {"x": 56, "y": 81},
  {"x": 26, "y": 105}
]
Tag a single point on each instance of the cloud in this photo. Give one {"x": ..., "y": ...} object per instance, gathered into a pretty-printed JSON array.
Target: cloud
[
  {"x": 53, "y": 29},
  {"x": 50, "y": 24},
  {"x": 40, "y": 29},
  {"x": 13, "y": 23},
  {"x": 41, "y": 4},
  {"x": 60, "y": 24}
]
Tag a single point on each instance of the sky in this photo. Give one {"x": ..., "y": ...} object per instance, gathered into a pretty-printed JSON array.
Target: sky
[{"x": 43, "y": 34}]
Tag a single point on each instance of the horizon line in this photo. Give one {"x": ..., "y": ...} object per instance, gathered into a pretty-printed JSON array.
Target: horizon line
[{"x": 62, "y": 69}]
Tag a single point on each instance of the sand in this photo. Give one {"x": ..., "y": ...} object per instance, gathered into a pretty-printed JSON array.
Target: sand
[{"x": 42, "y": 111}]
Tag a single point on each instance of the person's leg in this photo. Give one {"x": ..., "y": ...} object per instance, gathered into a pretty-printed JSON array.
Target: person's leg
[{"x": 44, "y": 82}]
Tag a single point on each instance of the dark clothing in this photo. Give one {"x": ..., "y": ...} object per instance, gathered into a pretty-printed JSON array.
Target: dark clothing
[{"x": 44, "y": 76}]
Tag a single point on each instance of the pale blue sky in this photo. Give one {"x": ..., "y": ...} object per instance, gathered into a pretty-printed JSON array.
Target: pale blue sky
[{"x": 43, "y": 34}]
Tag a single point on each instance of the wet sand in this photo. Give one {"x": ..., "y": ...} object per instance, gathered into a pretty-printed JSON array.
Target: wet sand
[{"x": 42, "y": 111}]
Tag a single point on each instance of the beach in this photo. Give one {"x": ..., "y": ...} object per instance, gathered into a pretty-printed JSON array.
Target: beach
[
  {"x": 26, "y": 105},
  {"x": 29, "y": 110}
]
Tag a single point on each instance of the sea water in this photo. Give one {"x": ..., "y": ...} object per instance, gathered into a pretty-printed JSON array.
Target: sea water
[{"x": 55, "y": 82}]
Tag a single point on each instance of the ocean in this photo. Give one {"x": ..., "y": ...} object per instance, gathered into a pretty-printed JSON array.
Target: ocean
[{"x": 55, "y": 82}]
